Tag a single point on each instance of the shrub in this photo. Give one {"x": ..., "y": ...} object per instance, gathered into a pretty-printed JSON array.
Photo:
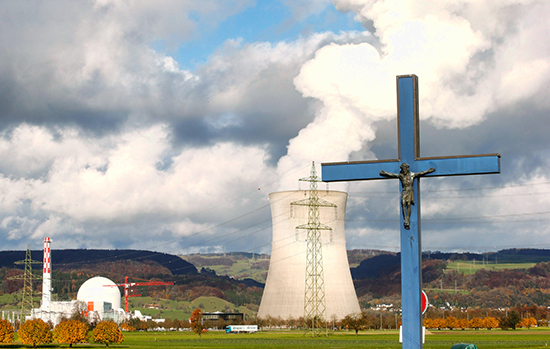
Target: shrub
[
  {"x": 107, "y": 332},
  {"x": 71, "y": 332},
  {"x": 35, "y": 332},
  {"x": 127, "y": 327},
  {"x": 6, "y": 332}
]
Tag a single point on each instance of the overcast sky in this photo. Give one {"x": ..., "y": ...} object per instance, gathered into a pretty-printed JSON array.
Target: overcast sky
[{"x": 164, "y": 125}]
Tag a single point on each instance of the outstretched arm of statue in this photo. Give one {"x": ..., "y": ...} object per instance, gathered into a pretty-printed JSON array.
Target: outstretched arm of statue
[
  {"x": 430, "y": 170},
  {"x": 388, "y": 174}
]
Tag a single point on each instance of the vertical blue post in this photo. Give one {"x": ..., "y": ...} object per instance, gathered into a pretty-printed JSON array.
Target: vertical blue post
[
  {"x": 411, "y": 247},
  {"x": 411, "y": 278}
]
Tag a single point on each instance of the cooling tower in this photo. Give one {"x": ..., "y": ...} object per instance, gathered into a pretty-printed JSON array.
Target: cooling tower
[{"x": 285, "y": 285}]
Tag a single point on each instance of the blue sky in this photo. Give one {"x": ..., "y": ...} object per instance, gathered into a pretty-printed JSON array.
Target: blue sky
[
  {"x": 262, "y": 21},
  {"x": 165, "y": 125}
]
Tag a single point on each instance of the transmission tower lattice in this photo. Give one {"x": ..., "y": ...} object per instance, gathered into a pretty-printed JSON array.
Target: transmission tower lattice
[
  {"x": 27, "y": 292},
  {"x": 314, "y": 299}
]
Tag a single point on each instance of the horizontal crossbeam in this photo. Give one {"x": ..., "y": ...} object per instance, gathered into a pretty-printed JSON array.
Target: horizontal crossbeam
[{"x": 445, "y": 166}]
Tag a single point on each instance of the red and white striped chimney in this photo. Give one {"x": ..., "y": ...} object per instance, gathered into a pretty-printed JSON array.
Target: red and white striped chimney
[{"x": 47, "y": 275}]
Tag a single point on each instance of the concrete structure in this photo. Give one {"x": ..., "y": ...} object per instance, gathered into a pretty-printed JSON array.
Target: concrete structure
[
  {"x": 102, "y": 298},
  {"x": 285, "y": 285},
  {"x": 50, "y": 311},
  {"x": 47, "y": 275},
  {"x": 54, "y": 312}
]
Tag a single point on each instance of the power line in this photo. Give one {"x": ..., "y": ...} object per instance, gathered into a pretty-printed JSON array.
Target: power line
[{"x": 456, "y": 189}]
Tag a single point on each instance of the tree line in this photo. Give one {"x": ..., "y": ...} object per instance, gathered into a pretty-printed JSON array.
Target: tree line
[{"x": 69, "y": 331}]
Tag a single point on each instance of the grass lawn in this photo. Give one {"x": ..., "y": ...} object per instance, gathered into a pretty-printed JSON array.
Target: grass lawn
[
  {"x": 521, "y": 338},
  {"x": 533, "y": 338}
]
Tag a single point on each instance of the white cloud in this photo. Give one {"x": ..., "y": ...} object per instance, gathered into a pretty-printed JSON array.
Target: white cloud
[
  {"x": 117, "y": 181},
  {"x": 122, "y": 181},
  {"x": 458, "y": 88},
  {"x": 105, "y": 135}
]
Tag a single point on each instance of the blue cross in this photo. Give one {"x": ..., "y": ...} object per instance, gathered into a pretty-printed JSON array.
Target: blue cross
[{"x": 409, "y": 153}]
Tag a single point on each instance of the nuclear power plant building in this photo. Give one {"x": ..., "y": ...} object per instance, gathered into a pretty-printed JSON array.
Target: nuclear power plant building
[
  {"x": 99, "y": 295},
  {"x": 285, "y": 285}
]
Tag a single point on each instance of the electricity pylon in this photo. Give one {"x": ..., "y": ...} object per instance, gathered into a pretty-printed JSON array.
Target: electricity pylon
[
  {"x": 314, "y": 297},
  {"x": 27, "y": 292}
]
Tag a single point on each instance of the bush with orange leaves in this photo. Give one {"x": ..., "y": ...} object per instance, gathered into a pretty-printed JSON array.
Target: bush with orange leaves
[
  {"x": 6, "y": 332},
  {"x": 125, "y": 326},
  {"x": 428, "y": 323},
  {"x": 477, "y": 323},
  {"x": 107, "y": 332},
  {"x": 528, "y": 322},
  {"x": 490, "y": 322},
  {"x": 439, "y": 323},
  {"x": 34, "y": 332},
  {"x": 71, "y": 332},
  {"x": 451, "y": 322}
]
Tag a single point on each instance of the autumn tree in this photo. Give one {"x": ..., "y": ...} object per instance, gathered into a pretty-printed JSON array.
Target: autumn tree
[
  {"x": 428, "y": 323},
  {"x": 355, "y": 321},
  {"x": 291, "y": 322},
  {"x": 137, "y": 324},
  {"x": 462, "y": 324},
  {"x": 107, "y": 332},
  {"x": 269, "y": 321},
  {"x": 490, "y": 322},
  {"x": 220, "y": 324},
  {"x": 476, "y": 323},
  {"x": 35, "y": 332},
  {"x": 261, "y": 322},
  {"x": 451, "y": 322},
  {"x": 71, "y": 332},
  {"x": 439, "y": 323},
  {"x": 126, "y": 326},
  {"x": 511, "y": 321},
  {"x": 197, "y": 323},
  {"x": 6, "y": 332},
  {"x": 528, "y": 322}
]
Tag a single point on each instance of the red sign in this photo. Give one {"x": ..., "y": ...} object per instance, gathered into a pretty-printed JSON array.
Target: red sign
[{"x": 424, "y": 302}]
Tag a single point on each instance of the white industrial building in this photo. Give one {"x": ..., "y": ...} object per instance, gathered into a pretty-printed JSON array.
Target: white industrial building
[
  {"x": 102, "y": 299},
  {"x": 100, "y": 296},
  {"x": 285, "y": 285}
]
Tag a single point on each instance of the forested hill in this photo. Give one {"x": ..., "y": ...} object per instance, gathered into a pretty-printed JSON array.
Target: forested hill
[
  {"x": 380, "y": 264},
  {"x": 76, "y": 259}
]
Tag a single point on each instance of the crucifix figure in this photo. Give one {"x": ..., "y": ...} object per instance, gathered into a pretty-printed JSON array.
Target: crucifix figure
[
  {"x": 408, "y": 166},
  {"x": 407, "y": 191}
]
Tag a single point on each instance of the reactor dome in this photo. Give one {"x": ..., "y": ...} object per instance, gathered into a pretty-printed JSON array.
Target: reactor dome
[{"x": 100, "y": 294}]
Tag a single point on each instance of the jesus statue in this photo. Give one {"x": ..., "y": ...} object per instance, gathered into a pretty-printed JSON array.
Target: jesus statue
[{"x": 407, "y": 194}]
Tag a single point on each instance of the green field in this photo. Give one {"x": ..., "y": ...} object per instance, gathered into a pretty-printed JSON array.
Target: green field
[
  {"x": 470, "y": 267},
  {"x": 182, "y": 309},
  {"x": 533, "y": 338},
  {"x": 512, "y": 339},
  {"x": 241, "y": 268},
  {"x": 12, "y": 301}
]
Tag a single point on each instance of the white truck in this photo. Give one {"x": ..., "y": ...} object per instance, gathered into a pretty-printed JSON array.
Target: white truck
[{"x": 241, "y": 329}]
